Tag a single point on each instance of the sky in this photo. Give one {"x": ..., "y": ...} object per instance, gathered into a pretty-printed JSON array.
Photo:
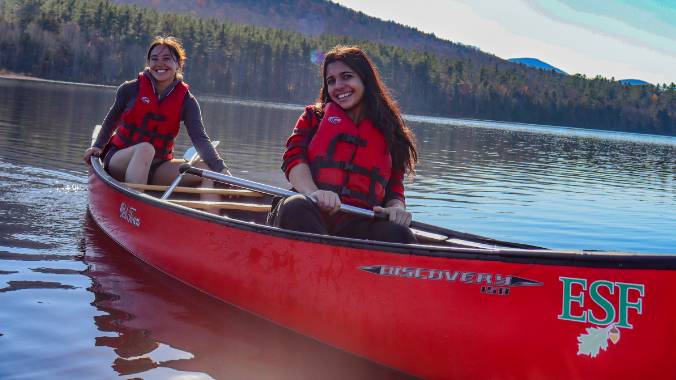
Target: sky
[{"x": 621, "y": 39}]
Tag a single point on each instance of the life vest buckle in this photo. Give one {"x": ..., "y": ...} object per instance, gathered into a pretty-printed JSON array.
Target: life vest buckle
[
  {"x": 345, "y": 191},
  {"x": 349, "y": 166}
]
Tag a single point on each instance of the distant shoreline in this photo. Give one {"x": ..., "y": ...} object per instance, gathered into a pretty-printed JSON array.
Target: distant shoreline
[
  {"x": 13, "y": 75},
  {"x": 4, "y": 74},
  {"x": 452, "y": 121}
]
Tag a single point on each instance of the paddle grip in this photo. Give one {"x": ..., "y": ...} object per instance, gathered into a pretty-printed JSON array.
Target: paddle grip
[{"x": 187, "y": 168}]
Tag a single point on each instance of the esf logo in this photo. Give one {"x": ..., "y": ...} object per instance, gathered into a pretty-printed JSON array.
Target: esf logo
[
  {"x": 611, "y": 301},
  {"x": 604, "y": 304}
]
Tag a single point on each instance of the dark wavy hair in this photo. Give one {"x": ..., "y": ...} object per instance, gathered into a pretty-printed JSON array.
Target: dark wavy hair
[{"x": 379, "y": 106}]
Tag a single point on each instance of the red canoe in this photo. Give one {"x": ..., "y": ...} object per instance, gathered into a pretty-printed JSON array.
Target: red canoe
[
  {"x": 170, "y": 326},
  {"x": 459, "y": 307}
]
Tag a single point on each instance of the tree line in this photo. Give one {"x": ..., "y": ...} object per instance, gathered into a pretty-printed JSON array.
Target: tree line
[{"x": 98, "y": 41}]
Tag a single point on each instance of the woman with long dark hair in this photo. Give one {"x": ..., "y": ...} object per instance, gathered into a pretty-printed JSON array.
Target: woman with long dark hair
[{"x": 351, "y": 147}]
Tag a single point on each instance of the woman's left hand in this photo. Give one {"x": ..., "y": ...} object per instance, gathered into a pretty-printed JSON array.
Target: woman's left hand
[{"x": 395, "y": 214}]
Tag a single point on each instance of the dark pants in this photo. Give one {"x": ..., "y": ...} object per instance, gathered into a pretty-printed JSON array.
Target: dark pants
[{"x": 299, "y": 213}]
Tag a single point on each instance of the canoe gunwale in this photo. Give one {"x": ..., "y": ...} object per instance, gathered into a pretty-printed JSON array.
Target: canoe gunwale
[{"x": 597, "y": 259}]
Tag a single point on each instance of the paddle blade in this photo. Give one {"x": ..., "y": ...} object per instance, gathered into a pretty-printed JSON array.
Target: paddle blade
[
  {"x": 191, "y": 153},
  {"x": 95, "y": 132}
]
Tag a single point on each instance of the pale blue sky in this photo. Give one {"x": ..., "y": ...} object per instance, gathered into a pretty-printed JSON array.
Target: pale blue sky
[{"x": 614, "y": 38}]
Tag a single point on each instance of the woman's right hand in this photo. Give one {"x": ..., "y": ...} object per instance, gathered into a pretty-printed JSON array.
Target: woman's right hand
[
  {"x": 326, "y": 200},
  {"x": 93, "y": 151}
]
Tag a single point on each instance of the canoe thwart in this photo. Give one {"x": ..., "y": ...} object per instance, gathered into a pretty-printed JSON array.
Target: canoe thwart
[
  {"x": 434, "y": 238},
  {"x": 222, "y": 205},
  {"x": 196, "y": 190}
]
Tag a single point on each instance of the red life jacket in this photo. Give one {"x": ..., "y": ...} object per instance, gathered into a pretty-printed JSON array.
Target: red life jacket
[
  {"x": 150, "y": 120},
  {"x": 352, "y": 161}
]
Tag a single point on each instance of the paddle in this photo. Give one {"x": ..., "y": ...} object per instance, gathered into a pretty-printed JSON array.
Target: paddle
[
  {"x": 190, "y": 156},
  {"x": 267, "y": 189},
  {"x": 263, "y": 188},
  {"x": 95, "y": 132},
  {"x": 427, "y": 231}
]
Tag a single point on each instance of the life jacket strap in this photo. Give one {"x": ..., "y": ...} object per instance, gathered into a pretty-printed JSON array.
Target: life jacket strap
[
  {"x": 326, "y": 163},
  {"x": 344, "y": 191},
  {"x": 344, "y": 137},
  {"x": 131, "y": 129}
]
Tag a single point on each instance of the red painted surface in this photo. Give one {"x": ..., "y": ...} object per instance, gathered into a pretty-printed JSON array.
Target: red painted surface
[
  {"x": 143, "y": 309},
  {"x": 436, "y": 329}
]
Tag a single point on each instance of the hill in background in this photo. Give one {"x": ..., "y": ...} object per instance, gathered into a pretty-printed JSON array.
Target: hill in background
[
  {"x": 320, "y": 17},
  {"x": 538, "y": 64},
  {"x": 633, "y": 82},
  {"x": 98, "y": 41}
]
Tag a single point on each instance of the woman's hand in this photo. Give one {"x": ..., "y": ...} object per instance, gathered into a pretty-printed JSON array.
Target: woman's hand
[
  {"x": 93, "y": 151},
  {"x": 326, "y": 200},
  {"x": 395, "y": 214}
]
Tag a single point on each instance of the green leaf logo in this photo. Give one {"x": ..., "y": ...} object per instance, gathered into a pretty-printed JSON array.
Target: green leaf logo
[{"x": 596, "y": 339}]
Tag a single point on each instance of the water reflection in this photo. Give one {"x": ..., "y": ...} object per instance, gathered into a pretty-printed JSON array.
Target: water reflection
[
  {"x": 42, "y": 124},
  {"x": 252, "y": 137},
  {"x": 159, "y": 327}
]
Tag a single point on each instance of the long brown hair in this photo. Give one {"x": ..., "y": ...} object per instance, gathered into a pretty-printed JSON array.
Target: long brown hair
[
  {"x": 175, "y": 48},
  {"x": 378, "y": 105}
]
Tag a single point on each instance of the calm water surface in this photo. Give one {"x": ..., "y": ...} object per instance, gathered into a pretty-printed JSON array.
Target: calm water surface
[{"x": 74, "y": 305}]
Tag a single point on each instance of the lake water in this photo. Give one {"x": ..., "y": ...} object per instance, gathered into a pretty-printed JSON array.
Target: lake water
[{"x": 75, "y": 305}]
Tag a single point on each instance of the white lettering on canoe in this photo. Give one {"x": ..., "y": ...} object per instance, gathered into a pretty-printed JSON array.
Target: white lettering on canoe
[
  {"x": 484, "y": 279},
  {"x": 128, "y": 214}
]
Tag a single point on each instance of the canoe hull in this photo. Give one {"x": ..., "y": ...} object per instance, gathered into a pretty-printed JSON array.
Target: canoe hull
[{"x": 430, "y": 314}]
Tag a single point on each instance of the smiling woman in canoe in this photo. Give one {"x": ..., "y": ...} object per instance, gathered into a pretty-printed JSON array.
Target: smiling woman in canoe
[
  {"x": 137, "y": 137},
  {"x": 351, "y": 147}
]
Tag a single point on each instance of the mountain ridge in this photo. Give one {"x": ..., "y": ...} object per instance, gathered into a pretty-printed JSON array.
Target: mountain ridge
[
  {"x": 538, "y": 64},
  {"x": 633, "y": 82},
  {"x": 317, "y": 18},
  {"x": 66, "y": 40}
]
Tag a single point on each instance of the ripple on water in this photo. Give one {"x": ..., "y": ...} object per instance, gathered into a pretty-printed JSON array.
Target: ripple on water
[
  {"x": 76, "y": 306},
  {"x": 40, "y": 207}
]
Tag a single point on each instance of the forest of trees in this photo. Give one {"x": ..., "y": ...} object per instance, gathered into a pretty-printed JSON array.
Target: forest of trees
[
  {"x": 319, "y": 17},
  {"x": 98, "y": 41}
]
